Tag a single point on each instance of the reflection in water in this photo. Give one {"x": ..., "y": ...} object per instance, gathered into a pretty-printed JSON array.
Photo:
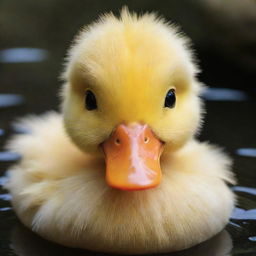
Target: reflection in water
[
  {"x": 26, "y": 243},
  {"x": 241, "y": 214},
  {"x": 250, "y": 152},
  {"x": 247, "y": 190},
  {"x": 1, "y": 132},
  {"x": 21, "y": 55},
  {"x": 9, "y": 100},
  {"x": 8, "y": 156},
  {"x": 224, "y": 94}
]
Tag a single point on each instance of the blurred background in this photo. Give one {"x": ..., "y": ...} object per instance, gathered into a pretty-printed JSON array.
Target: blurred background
[{"x": 34, "y": 38}]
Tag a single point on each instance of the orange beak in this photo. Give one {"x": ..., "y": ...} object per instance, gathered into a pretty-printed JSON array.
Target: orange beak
[{"x": 132, "y": 156}]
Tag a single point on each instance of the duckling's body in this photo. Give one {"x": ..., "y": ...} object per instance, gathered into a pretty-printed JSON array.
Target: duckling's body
[{"x": 60, "y": 191}]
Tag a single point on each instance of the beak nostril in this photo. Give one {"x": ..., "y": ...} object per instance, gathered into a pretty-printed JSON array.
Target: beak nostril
[
  {"x": 146, "y": 139},
  {"x": 117, "y": 141}
]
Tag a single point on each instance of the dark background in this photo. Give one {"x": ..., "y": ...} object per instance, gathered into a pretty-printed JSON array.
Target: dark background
[{"x": 223, "y": 33}]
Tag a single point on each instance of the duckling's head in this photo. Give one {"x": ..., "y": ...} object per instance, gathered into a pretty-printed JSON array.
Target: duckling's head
[{"x": 130, "y": 91}]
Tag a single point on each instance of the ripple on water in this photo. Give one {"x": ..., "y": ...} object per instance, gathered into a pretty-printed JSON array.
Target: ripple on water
[
  {"x": 23, "y": 55},
  {"x": 252, "y": 238},
  {"x": 5, "y": 197},
  {"x": 224, "y": 94},
  {"x": 19, "y": 128},
  {"x": 1, "y": 132},
  {"x": 241, "y": 214},
  {"x": 10, "y": 100},
  {"x": 251, "y": 191},
  {"x": 6, "y": 156},
  {"x": 249, "y": 152},
  {"x": 3, "y": 180},
  {"x": 4, "y": 209}
]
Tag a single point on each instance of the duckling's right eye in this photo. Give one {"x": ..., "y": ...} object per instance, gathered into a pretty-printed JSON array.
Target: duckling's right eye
[
  {"x": 90, "y": 100},
  {"x": 170, "y": 99}
]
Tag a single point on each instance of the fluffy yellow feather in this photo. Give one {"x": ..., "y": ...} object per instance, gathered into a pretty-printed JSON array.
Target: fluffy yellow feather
[
  {"x": 59, "y": 191},
  {"x": 130, "y": 63}
]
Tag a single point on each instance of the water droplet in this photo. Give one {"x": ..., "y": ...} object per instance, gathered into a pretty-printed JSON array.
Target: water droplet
[
  {"x": 4, "y": 209},
  {"x": 5, "y": 197},
  {"x": 250, "y": 152},
  {"x": 9, "y": 156},
  {"x": 251, "y": 191},
  {"x": 224, "y": 94},
  {"x": 22, "y": 55},
  {"x": 9, "y": 100}
]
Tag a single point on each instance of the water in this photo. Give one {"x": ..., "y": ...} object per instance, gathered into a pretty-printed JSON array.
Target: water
[{"x": 29, "y": 84}]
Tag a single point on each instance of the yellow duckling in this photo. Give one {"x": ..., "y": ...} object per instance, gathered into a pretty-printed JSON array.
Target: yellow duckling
[{"x": 120, "y": 170}]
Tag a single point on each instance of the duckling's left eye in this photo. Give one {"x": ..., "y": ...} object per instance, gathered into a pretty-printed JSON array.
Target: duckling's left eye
[
  {"x": 90, "y": 100},
  {"x": 170, "y": 99}
]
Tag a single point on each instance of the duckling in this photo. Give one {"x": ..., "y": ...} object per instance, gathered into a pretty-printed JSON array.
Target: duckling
[{"x": 119, "y": 169}]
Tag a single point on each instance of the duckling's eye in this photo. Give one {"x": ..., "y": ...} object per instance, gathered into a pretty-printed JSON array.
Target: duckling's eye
[
  {"x": 90, "y": 100},
  {"x": 170, "y": 99}
]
